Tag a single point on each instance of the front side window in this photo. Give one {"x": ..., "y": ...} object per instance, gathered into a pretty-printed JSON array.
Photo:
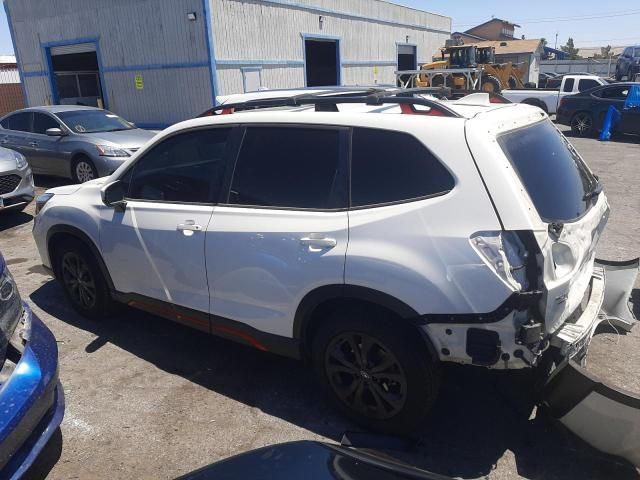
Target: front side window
[
  {"x": 552, "y": 172},
  {"x": 615, "y": 93},
  {"x": 94, "y": 121},
  {"x": 287, "y": 167},
  {"x": 586, "y": 84},
  {"x": 43, "y": 122},
  {"x": 188, "y": 167},
  {"x": 388, "y": 166}
]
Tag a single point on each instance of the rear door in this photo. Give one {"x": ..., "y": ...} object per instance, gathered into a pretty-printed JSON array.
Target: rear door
[
  {"x": 17, "y": 129},
  {"x": 283, "y": 230}
]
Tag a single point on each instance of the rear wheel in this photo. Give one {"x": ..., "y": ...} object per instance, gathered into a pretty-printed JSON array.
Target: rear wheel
[
  {"x": 81, "y": 279},
  {"x": 490, "y": 84},
  {"x": 84, "y": 170},
  {"x": 582, "y": 124},
  {"x": 618, "y": 75},
  {"x": 375, "y": 370}
]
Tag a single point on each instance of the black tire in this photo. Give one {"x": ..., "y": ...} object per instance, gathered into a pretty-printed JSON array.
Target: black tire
[
  {"x": 81, "y": 279},
  {"x": 437, "y": 81},
  {"x": 582, "y": 124},
  {"x": 83, "y": 169},
  {"x": 396, "y": 386},
  {"x": 512, "y": 82},
  {"x": 490, "y": 84},
  {"x": 536, "y": 103},
  {"x": 630, "y": 75},
  {"x": 618, "y": 75}
]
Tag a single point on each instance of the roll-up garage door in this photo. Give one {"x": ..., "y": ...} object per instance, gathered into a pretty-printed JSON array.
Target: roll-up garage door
[{"x": 76, "y": 48}]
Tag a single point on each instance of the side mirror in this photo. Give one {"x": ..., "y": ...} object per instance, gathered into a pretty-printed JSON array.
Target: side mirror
[
  {"x": 54, "y": 132},
  {"x": 113, "y": 195}
]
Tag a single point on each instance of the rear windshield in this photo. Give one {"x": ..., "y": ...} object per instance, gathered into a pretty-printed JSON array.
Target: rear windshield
[{"x": 552, "y": 172}]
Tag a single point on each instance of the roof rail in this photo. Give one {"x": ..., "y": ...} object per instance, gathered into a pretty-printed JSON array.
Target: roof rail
[{"x": 328, "y": 101}]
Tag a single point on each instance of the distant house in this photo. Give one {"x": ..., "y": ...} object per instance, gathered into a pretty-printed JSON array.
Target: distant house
[
  {"x": 494, "y": 29},
  {"x": 11, "y": 97}
]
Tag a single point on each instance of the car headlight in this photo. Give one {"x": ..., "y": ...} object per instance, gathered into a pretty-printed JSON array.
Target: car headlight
[
  {"x": 41, "y": 200},
  {"x": 21, "y": 162},
  {"x": 109, "y": 151}
]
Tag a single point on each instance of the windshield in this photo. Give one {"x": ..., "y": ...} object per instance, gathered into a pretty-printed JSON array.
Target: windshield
[
  {"x": 559, "y": 183},
  {"x": 94, "y": 121}
]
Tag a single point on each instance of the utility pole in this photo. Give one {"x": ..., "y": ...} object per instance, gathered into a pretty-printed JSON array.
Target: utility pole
[{"x": 556, "y": 45}]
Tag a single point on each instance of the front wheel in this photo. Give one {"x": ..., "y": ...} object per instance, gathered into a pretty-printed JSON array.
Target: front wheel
[
  {"x": 82, "y": 280},
  {"x": 84, "y": 170},
  {"x": 582, "y": 124},
  {"x": 376, "y": 370}
]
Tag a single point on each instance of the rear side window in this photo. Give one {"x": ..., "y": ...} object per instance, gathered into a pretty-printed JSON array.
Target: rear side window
[
  {"x": 616, "y": 93},
  {"x": 289, "y": 167},
  {"x": 188, "y": 167},
  {"x": 388, "y": 166},
  {"x": 568, "y": 85},
  {"x": 18, "y": 121},
  {"x": 586, "y": 84},
  {"x": 550, "y": 169}
]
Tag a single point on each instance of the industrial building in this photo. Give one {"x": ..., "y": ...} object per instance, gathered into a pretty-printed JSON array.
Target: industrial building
[{"x": 156, "y": 62}]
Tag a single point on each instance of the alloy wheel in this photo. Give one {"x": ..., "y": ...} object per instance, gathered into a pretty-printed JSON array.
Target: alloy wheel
[
  {"x": 582, "y": 124},
  {"x": 78, "y": 280},
  {"x": 365, "y": 375},
  {"x": 84, "y": 171}
]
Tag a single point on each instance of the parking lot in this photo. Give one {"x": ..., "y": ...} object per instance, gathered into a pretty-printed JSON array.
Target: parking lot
[{"x": 147, "y": 398}]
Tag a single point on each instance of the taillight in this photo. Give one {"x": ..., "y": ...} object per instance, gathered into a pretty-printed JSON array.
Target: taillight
[{"x": 505, "y": 254}]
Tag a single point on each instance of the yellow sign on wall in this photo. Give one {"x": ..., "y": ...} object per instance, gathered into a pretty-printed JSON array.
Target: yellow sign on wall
[{"x": 139, "y": 82}]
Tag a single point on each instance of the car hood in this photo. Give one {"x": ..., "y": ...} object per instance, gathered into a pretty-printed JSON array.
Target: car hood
[
  {"x": 69, "y": 189},
  {"x": 7, "y": 160},
  {"x": 133, "y": 138},
  {"x": 308, "y": 459}
]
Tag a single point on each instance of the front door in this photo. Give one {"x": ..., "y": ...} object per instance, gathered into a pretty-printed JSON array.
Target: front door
[
  {"x": 45, "y": 152},
  {"x": 284, "y": 228},
  {"x": 155, "y": 247}
]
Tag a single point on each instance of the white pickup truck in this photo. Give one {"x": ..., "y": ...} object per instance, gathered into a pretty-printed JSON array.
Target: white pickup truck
[{"x": 548, "y": 99}]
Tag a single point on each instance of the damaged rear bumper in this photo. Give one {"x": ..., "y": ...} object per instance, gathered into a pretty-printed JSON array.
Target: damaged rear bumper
[{"x": 605, "y": 417}]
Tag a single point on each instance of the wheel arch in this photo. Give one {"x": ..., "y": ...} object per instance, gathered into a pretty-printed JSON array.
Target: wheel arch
[
  {"x": 536, "y": 103},
  {"x": 58, "y": 233},
  {"x": 309, "y": 312}
]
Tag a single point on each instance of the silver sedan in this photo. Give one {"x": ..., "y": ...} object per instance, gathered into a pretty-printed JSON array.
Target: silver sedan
[
  {"x": 16, "y": 181},
  {"x": 77, "y": 142}
]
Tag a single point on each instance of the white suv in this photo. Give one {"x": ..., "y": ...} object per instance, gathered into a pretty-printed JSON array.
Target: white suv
[{"x": 376, "y": 235}]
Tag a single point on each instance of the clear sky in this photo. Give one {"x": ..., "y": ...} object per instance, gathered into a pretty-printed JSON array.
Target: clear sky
[{"x": 591, "y": 23}]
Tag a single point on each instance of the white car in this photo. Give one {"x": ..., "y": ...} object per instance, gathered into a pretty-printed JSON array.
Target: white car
[
  {"x": 16, "y": 181},
  {"x": 377, "y": 236}
]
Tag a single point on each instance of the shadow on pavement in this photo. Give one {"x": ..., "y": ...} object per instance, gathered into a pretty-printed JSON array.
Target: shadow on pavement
[
  {"x": 47, "y": 458},
  {"x": 480, "y": 416},
  {"x": 11, "y": 219},
  {"x": 46, "y": 181}
]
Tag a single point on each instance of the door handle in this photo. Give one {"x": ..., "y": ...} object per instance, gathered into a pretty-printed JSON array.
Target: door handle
[
  {"x": 33, "y": 144},
  {"x": 189, "y": 226},
  {"x": 319, "y": 242}
]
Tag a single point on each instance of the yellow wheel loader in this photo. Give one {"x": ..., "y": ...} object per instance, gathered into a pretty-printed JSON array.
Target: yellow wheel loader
[{"x": 495, "y": 76}]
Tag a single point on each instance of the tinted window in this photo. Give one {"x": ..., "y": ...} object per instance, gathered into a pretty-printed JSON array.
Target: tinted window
[
  {"x": 18, "y": 121},
  {"x": 390, "y": 166},
  {"x": 636, "y": 52},
  {"x": 616, "y": 93},
  {"x": 42, "y": 122},
  {"x": 289, "y": 167},
  {"x": 587, "y": 83},
  {"x": 184, "y": 168},
  {"x": 550, "y": 169},
  {"x": 568, "y": 85}
]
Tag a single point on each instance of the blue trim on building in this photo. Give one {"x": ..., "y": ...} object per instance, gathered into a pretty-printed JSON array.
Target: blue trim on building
[
  {"x": 211, "y": 53},
  {"x": 154, "y": 66},
  {"x": 321, "y": 38},
  {"x": 352, "y": 16},
  {"x": 15, "y": 52},
  {"x": 40, "y": 73},
  {"x": 260, "y": 62},
  {"x": 103, "y": 84},
  {"x": 52, "y": 84}
]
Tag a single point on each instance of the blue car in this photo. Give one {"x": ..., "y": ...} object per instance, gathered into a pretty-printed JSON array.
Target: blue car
[{"x": 31, "y": 397}]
